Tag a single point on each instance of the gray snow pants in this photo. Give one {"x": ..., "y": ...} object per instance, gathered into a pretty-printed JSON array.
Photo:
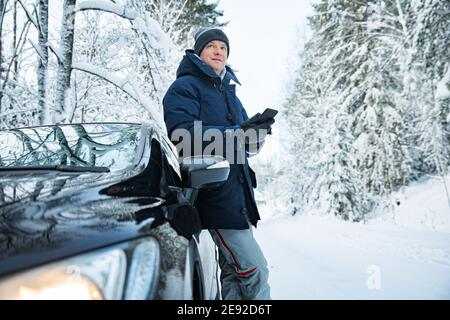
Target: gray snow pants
[{"x": 244, "y": 273}]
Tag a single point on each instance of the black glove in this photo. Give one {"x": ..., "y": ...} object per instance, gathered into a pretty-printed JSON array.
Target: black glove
[
  {"x": 257, "y": 122},
  {"x": 262, "y": 125}
]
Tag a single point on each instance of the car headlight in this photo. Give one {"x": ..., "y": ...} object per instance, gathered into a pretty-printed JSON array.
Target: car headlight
[{"x": 94, "y": 276}]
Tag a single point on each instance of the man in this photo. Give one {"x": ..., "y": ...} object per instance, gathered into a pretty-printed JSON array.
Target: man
[{"x": 202, "y": 92}]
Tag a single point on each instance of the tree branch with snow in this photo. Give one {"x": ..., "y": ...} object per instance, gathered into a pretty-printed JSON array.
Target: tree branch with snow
[
  {"x": 107, "y": 6},
  {"x": 127, "y": 85}
]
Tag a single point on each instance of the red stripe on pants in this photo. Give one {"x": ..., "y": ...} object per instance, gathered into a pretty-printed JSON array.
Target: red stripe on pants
[{"x": 235, "y": 261}]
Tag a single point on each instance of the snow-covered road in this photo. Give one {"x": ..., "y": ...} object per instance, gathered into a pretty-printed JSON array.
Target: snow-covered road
[{"x": 325, "y": 258}]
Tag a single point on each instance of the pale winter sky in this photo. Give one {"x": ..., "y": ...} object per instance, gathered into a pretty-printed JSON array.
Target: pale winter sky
[{"x": 262, "y": 35}]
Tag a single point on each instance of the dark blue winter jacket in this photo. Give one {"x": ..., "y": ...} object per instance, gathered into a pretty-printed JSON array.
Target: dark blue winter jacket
[{"x": 198, "y": 94}]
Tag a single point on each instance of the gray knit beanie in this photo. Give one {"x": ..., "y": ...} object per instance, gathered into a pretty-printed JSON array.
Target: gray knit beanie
[{"x": 204, "y": 35}]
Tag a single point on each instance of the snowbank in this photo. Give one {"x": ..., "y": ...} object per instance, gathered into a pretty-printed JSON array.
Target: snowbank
[{"x": 422, "y": 205}]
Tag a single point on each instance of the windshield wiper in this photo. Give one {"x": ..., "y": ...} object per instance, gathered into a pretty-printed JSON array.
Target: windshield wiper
[{"x": 63, "y": 168}]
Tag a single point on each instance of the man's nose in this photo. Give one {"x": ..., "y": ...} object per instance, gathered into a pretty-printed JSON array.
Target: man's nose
[{"x": 217, "y": 51}]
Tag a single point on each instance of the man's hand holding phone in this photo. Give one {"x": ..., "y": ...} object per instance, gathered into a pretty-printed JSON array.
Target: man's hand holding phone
[
  {"x": 260, "y": 125},
  {"x": 261, "y": 121}
]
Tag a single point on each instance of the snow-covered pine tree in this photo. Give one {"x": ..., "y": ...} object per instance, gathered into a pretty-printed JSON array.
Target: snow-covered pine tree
[
  {"x": 356, "y": 90},
  {"x": 430, "y": 62},
  {"x": 358, "y": 44},
  {"x": 341, "y": 44},
  {"x": 198, "y": 13},
  {"x": 300, "y": 112},
  {"x": 179, "y": 19},
  {"x": 412, "y": 76},
  {"x": 339, "y": 185},
  {"x": 378, "y": 127},
  {"x": 328, "y": 180}
]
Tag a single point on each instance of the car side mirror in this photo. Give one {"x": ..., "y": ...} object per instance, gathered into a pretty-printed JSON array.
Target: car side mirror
[{"x": 200, "y": 172}]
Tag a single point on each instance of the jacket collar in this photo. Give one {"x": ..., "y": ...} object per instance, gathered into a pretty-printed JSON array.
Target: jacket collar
[{"x": 203, "y": 68}]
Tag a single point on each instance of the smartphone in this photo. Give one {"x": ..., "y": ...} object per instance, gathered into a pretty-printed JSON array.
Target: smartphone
[{"x": 267, "y": 114}]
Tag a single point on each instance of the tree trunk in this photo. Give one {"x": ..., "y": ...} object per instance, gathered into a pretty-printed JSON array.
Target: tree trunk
[
  {"x": 2, "y": 14},
  {"x": 65, "y": 65},
  {"x": 14, "y": 64},
  {"x": 43, "y": 61}
]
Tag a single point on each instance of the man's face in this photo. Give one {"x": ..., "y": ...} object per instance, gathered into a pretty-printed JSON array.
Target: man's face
[{"x": 214, "y": 54}]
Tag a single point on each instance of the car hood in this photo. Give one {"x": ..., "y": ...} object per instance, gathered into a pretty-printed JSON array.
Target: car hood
[
  {"x": 22, "y": 187},
  {"x": 49, "y": 216}
]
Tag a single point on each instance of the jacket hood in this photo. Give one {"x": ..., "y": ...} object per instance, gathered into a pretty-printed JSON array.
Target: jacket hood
[{"x": 191, "y": 64}]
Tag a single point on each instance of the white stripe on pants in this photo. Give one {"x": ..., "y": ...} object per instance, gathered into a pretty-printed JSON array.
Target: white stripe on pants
[{"x": 244, "y": 272}]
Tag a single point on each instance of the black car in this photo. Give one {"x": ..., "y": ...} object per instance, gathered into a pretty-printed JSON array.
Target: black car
[{"x": 103, "y": 211}]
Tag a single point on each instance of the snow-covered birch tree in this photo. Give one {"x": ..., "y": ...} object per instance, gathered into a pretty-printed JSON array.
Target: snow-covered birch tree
[
  {"x": 16, "y": 98},
  {"x": 42, "y": 69},
  {"x": 2, "y": 16},
  {"x": 62, "y": 105}
]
